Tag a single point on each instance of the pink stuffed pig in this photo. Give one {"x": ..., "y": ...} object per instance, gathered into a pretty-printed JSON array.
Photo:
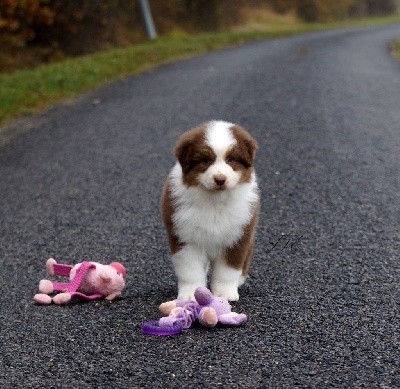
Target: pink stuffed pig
[{"x": 88, "y": 280}]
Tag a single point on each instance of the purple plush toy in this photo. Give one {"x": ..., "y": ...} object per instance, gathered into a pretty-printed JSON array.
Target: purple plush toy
[{"x": 207, "y": 309}]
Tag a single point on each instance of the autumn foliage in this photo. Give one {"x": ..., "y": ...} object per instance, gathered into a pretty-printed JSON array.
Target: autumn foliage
[
  {"x": 328, "y": 10},
  {"x": 20, "y": 18},
  {"x": 80, "y": 26}
]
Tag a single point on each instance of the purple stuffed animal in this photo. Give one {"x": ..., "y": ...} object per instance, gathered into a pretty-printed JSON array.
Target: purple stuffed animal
[{"x": 207, "y": 309}]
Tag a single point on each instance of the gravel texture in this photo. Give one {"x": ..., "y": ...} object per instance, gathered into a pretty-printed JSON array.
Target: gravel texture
[{"x": 83, "y": 181}]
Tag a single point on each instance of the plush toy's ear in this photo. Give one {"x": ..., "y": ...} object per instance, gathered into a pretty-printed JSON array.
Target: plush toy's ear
[
  {"x": 119, "y": 268},
  {"x": 203, "y": 295}
]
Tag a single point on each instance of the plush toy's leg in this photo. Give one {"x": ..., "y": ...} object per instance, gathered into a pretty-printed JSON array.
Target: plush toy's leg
[
  {"x": 167, "y": 307},
  {"x": 62, "y": 298},
  {"x": 46, "y": 286},
  {"x": 57, "y": 269},
  {"x": 42, "y": 299},
  {"x": 208, "y": 317},
  {"x": 113, "y": 296},
  {"x": 233, "y": 319}
]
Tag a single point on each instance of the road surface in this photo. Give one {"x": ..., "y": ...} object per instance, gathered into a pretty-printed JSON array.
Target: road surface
[{"x": 83, "y": 183}]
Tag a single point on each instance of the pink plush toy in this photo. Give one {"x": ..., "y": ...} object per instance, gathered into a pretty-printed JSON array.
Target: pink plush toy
[
  {"x": 88, "y": 280},
  {"x": 207, "y": 309}
]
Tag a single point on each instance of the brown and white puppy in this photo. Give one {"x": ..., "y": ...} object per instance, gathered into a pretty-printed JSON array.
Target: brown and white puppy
[{"x": 210, "y": 207}]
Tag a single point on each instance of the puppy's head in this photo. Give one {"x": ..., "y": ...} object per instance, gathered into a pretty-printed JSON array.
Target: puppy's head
[{"x": 216, "y": 156}]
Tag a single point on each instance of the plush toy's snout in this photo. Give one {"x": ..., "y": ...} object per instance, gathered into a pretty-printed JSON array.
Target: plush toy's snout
[
  {"x": 105, "y": 276},
  {"x": 119, "y": 268}
]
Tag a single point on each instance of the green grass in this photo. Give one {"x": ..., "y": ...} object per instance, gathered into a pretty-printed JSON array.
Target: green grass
[
  {"x": 395, "y": 48},
  {"x": 30, "y": 91}
]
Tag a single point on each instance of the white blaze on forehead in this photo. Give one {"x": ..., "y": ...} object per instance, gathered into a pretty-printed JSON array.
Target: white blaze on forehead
[{"x": 219, "y": 136}]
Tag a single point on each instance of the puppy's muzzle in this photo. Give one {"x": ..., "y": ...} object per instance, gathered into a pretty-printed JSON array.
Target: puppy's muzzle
[{"x": 220, "y": 180}]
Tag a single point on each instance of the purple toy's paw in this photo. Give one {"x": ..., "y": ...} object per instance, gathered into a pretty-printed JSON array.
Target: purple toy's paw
[
  {"x": 42, "y": 299},
  {"x": 46, "y": 286},
  {"x": 208, "y": 317},
  {"x": 232, "y": 318},
  {"x": 50, "y": 266},
  {"x": 62, "y": 298}
]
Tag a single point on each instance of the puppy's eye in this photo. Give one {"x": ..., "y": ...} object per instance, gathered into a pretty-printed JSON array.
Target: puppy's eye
[
  {"x": 205, "y": 161},
  {"x": 229, "y": 159}
]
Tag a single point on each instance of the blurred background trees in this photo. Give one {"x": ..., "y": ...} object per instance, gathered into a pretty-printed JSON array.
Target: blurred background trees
[
  {"x": 325, "y": 10},
  {"x": 52, "y": 29}
]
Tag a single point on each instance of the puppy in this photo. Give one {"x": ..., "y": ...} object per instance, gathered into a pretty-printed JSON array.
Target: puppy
[{"x": 210, "y": 207}]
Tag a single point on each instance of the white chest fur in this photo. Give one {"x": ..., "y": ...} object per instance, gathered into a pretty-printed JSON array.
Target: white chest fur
[{"x": 211, "y": 220}]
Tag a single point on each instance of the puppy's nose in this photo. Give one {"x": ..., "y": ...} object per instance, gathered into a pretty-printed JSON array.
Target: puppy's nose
[{"x": 220, "y": 179}]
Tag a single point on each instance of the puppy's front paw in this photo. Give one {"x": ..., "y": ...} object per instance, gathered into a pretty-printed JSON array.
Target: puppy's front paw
[
  {"x": 186, "y": 292},
  {"x": 186, "y": 296},
  {"x": 229, "y": 292}
]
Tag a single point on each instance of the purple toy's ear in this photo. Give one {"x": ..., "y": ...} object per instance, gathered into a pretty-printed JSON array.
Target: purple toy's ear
[{"x": 203, "y": 295}]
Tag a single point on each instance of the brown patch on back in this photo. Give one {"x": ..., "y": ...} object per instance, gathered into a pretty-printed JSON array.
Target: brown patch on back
[
  {"x": 240, "y": 254},
  {"x": 241, "y": 155},
  {"x": 193, "y": 154},
  {"x": 167, "y": 210}
]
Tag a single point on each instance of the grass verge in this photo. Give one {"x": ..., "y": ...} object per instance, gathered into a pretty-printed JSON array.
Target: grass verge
[
  {"x": 30, "y": 91},
  {"x": 395, "y": 49}
]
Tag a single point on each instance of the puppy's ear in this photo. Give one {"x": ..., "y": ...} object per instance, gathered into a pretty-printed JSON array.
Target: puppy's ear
[
  {"x": 184, "y": 147},
  {"x": 247, "y": 144},
  {"x": 181, "y": 150},
  {"x": 251, "y": 146}
]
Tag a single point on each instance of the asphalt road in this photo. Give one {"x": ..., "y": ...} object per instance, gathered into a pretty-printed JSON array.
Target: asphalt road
[{"x": 83, "y": 181}]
